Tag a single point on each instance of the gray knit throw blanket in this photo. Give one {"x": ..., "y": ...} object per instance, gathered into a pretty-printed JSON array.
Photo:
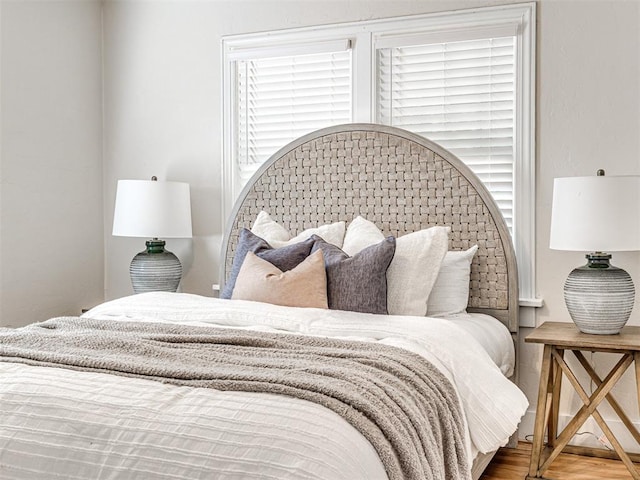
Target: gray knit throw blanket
[{"x": 398, "y": 400}]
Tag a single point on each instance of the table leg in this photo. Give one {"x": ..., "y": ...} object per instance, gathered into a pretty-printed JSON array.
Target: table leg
[
  {"x": 541, "y": 409},
  {"x": 556, "y": 384},
  {"x": 636, "y": 357}
]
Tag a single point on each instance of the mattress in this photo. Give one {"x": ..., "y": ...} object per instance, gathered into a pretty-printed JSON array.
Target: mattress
[{"x": 59, "y": 423}]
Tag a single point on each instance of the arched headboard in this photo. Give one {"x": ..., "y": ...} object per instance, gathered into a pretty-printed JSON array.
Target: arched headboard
[{"x": 400, "y": 181}]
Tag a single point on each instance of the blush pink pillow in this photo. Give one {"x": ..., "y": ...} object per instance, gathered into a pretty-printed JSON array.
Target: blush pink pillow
[{"x": 303, "y": 286}]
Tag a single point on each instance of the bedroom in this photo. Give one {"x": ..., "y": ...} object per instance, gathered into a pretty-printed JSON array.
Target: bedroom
[{"x": 93, "y": 92}]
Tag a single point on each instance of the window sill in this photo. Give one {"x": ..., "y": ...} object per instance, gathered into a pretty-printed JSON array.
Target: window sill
[{"x": 531, "y": 302}]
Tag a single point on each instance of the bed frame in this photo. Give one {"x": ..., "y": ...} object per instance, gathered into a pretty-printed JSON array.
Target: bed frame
[{"x": 400, "y": 181}]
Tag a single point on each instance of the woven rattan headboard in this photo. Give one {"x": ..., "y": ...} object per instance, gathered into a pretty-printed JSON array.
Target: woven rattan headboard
[{"x": 400, "y": 181}]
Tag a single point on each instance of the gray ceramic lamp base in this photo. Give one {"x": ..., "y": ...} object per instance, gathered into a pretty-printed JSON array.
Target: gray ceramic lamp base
[
  {"x": 155, "y": 269},
  {"x": 599, "y": 296}
]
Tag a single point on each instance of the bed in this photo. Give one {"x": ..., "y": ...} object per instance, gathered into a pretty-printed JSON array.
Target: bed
[{"x": 411, "y": 395}]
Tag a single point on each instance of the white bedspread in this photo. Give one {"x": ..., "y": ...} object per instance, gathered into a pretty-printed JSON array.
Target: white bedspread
[
  {"x": 494, "y": 337},
  {"x": 57, "y": 423}
]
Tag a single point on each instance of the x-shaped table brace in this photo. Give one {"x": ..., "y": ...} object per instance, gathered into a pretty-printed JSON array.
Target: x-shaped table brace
[{"x": 553, "y": 366}]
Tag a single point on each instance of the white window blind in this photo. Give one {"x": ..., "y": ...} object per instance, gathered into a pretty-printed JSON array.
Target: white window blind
[
  {"x": 280, "y": 99},
  {"x": 460, "y": 95}
]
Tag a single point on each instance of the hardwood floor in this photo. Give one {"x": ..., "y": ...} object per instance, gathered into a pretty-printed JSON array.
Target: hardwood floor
[{"x": 513, "y": 464}]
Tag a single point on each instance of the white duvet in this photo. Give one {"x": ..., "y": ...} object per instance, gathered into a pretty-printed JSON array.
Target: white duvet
[{"x": 58, "y": 423}]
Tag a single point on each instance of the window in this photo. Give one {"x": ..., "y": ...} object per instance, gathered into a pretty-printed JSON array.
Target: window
[{"x": 463, "y": 79}]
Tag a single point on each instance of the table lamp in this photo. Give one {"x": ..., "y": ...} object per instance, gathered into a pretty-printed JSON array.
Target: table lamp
[
  {"x": 153, "y": 209},
  {"x": 597, "y": 214}
]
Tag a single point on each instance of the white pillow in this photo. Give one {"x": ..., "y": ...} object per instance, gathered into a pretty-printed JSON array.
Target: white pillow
[
  {"x": 265, "y": 227},
  {"x": 360, "y": 234},
  {"x": 450, "y": 294},
  {"x": 277, "y": 236},
  {"x": 414, "y": 267}
]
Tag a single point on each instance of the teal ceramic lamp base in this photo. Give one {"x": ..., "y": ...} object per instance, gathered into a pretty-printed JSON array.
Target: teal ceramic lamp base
[
  {"x": 155, "y": 269},
  {"x": 599, "y": 296}
]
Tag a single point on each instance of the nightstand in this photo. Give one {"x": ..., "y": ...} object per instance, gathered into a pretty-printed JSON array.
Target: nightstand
[{"x": 557, "y": 339}]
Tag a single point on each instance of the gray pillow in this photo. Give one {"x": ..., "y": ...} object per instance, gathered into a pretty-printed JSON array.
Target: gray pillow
[
  {"x": 284, "y": 258},
  {"x": 357, "y": 283}
]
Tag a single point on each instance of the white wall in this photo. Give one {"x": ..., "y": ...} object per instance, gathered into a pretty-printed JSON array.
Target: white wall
[
  {"x": 51, "y": 237},
  {"x": 162, "y": 106}
]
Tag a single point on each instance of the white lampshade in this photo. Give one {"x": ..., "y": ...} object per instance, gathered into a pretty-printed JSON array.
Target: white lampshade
[
  {"x": 596, "y": 214},
  {"x": 152, "y": 209}
]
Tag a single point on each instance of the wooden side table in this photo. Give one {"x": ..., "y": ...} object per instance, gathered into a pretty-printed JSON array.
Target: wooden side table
[{"x": 558, "y": 338}]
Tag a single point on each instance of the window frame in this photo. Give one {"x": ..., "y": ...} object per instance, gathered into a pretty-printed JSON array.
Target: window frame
[{"x": 363, "y": 37}]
